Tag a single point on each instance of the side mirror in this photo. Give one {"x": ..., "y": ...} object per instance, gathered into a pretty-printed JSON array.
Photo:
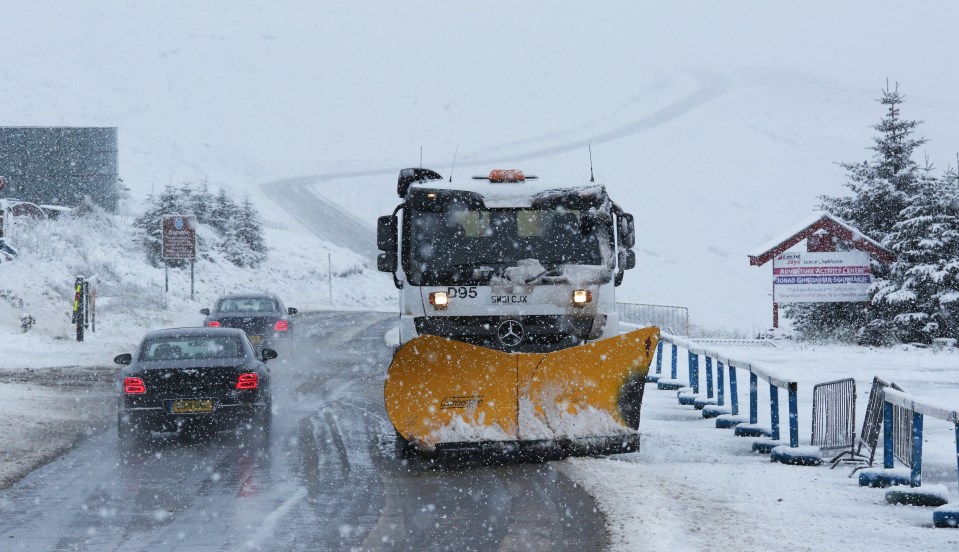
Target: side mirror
[
  {"x": 627, "y": 259},
  {"x": 626, "y": 229},
  {"x": 205, "y": 312},
  {"x": 409, "y": 176},
  {"x": 387, "y": 236},
  {"x": 386, "y": 262},
  {"x": 291, "y": 311},
  {"x": 267, "y": 354},
  {"x": 125, "y": 358}
]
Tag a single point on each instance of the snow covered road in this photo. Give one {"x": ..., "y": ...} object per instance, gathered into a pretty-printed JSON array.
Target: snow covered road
[{"x": 327, "y": 479}]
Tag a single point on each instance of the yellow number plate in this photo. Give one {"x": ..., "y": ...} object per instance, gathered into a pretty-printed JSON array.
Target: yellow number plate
[
  {"x": 190, "y": 406},
  {"x": 256, "y": 339}
]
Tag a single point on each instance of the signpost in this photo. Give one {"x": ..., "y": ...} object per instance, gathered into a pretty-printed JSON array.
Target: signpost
[{"x": 179, "y": 242}]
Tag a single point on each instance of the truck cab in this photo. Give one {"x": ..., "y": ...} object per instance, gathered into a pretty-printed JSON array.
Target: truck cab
[{"x": 505, "y": 260}]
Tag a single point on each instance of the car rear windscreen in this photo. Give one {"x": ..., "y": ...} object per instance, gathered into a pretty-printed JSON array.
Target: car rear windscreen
[
  {"x": 191, "y": 348},
  {"x": 246, "y": 304}
]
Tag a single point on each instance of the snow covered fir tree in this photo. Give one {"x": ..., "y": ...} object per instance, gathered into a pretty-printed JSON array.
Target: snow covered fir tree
[
  {"x": 914, "y": 213},
  {"x": 227, "y": 229}
]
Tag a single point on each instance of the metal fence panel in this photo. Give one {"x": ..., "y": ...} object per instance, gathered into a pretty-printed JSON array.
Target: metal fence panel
[
  {"x": 902, "y": 434},
  {"x": 834, "y": 415},
  {"x": 872, "y": 422},
  {"x": 672, "y": 319}
]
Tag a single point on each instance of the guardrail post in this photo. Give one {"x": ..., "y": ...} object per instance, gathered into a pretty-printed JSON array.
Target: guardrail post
[
  {"x": 684, "y": 396},
  {"x": 701, "y": 403},
  {"x": 733, "y": 390},
  {"x": 888, "y": 460},
  {"x": 774, "y": 410},
  {"x": 659, "y": 358},
  {"x": 720, "y": 383},
  {"x": 709, "y": 377},
  {"x": 694, "y": 372},
  {"x": 674, "y": 374},
  {"x": 915, "y": 479},
  {"x": 793, "y": 415},
  {"x": 654, "y": 378},
  {"x": 732, "y": 419},
  {"x": 752, "y": 429}
]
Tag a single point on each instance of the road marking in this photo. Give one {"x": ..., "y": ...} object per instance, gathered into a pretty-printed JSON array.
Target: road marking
[{"x": 268, "y": 526}]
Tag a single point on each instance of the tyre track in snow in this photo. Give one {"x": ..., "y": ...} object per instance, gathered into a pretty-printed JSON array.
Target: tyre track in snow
[{"x": 327, "y": 220}]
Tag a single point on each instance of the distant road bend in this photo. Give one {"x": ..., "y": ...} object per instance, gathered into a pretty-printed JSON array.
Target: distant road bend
[{"x": 330, "y": 223}]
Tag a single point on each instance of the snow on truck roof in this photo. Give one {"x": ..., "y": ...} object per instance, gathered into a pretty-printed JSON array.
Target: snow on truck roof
[{"x": 510, "y": 187}]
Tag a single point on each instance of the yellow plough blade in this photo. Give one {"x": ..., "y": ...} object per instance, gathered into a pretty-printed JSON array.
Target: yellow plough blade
[{"x": 443, "y": 391}]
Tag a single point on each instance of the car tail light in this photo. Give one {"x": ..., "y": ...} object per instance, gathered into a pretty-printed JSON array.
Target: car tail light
[
  {"x": 134, "y": 386},
  {"x": 281, "y": 326},
  {"x": 213, "y": 324},
  {"x": 247, "y": 381}
]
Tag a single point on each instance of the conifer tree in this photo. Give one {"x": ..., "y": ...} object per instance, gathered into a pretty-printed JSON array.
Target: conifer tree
[
  {"x": 923, "y": 284},
  {"x": 881, "y": 189},
  {"x": 250, "y": 233}
]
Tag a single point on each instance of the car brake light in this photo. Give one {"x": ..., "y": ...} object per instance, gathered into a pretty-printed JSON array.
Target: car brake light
[
  {"x": 213, "y": 324},
  {"x": 134, "y": 386},
  {"x": 247, "y": 381},
  {"x": 281, "y": 326}
]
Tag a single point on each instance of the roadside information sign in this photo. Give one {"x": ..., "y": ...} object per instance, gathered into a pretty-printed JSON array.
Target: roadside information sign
[
  {"x": 834, "y": 277},
  {"x": 179, "y": 237}
]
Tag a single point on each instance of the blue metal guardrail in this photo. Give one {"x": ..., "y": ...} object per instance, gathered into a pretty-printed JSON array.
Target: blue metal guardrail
[
  {"x": 903, "y": 417},
  {"x": 729, "y": 416}
]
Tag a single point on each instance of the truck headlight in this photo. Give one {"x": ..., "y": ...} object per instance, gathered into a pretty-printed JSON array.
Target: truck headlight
[
  {"x": 581, "y": 297},
  {"x": 439, "y": 299}
]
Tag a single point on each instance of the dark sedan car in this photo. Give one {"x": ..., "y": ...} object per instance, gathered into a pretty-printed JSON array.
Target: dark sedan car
[
  {"x": 261, "y": 315},
  {"x": 209, "y": 377}
]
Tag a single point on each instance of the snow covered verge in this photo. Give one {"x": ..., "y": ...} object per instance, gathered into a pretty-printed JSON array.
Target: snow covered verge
[
  {"x": 46, "y": 411},
  {"x": 693, "y": 486},
  {"x": 131, "y": 297}
]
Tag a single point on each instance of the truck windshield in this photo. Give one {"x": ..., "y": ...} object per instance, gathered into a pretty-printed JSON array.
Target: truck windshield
[{"x": 452, "y": 243}]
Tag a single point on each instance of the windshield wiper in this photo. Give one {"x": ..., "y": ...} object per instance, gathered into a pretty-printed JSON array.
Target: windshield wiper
[{"x": 555, "y": 271}]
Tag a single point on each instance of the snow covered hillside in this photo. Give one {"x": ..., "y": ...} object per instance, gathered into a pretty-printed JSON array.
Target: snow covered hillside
[{"x": 717, "y": 124}]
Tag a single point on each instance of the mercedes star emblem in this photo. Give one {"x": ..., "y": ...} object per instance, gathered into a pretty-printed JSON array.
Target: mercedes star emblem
[{"x": 510, "y": 333}]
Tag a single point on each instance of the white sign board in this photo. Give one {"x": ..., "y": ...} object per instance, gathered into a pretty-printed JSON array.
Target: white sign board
[{"x": 835, "y": 277}]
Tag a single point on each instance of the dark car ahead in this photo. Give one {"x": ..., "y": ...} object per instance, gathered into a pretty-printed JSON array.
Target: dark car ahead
[
  {"x": 209, "y": 377},
  {"x": 261, "y": 315}
]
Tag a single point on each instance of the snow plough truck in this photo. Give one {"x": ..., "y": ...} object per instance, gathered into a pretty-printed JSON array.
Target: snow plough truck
[{"x": 508, "y": 332}]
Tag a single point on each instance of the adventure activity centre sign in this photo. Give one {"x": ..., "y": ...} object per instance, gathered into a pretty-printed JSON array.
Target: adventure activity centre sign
[{"x": 832, "y": 277}]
